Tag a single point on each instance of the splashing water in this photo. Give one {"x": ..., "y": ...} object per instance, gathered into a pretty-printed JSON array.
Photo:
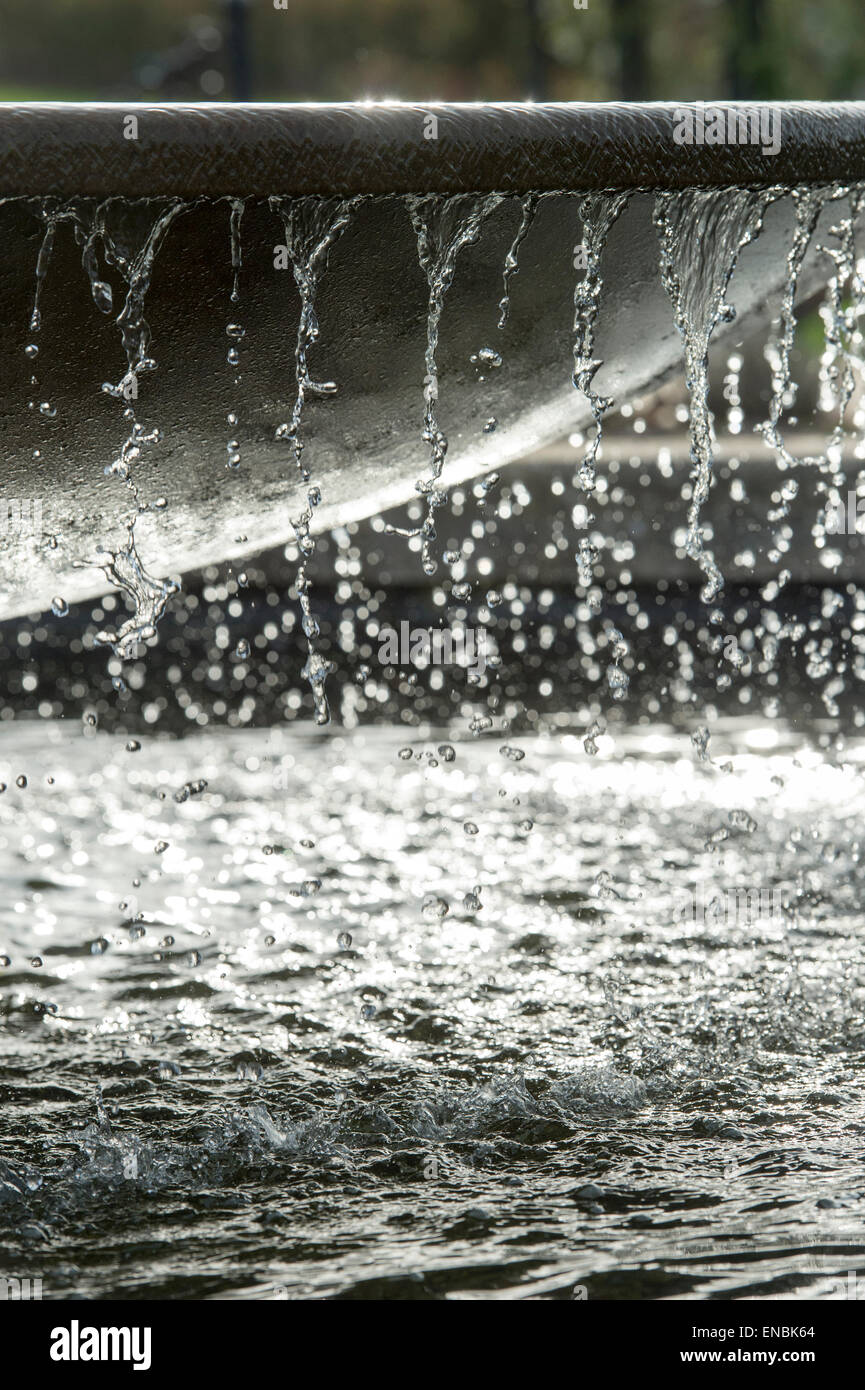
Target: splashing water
[
  {"x": 238, "y": 207},
  {"x": 125, "y": 568},
  {"x": 587, "y": 976},
  {"x": 808, "y": 203},
  {"x": 312, "y": 225},
  {"x": 135, "y": 262},
  {"x": 149, "y": 596},
  {"x": 701, "y": 235},
  {"x": 130, "y": 235},
  {"x": 443, "y": 226},
  {"x": 598, "y": 211},
  {"x": 528, "y": 208}
]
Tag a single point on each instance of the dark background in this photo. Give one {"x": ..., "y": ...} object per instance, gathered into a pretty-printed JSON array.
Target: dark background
[{"x": 451, "y": 50}]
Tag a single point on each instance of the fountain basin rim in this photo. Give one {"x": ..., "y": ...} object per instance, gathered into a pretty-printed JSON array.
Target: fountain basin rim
[{"x": 214, "y": 150}]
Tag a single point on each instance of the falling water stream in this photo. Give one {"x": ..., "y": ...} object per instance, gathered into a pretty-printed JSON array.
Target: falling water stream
[{"x": 479, "y": 982}]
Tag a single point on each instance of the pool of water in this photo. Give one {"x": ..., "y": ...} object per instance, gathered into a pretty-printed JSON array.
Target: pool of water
[{"x": 292, "y": 1013}]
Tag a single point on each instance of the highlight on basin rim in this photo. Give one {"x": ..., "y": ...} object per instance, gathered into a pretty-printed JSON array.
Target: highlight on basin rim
[{"x": 95, "y": 149}]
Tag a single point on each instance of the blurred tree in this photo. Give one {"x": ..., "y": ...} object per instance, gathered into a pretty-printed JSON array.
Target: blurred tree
[
  {"x": 238, "y": 49},
  {"x": 629, "y": 23},
  {"x": 497, "y": 50},
  {"x": 538, "y": 65},
  {"x": 751, "y": 67}
]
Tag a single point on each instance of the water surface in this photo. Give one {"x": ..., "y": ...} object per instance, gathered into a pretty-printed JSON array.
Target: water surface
[{"x": 361, "y": 1018}]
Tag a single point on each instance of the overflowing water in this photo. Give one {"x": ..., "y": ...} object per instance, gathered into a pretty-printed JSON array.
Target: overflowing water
[
  {"x": 323, "y": 976},
  {"x": 701, "y": 236}
]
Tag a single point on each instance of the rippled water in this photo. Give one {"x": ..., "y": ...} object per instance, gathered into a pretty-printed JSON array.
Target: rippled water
[{"x": 569, "y": 1077}]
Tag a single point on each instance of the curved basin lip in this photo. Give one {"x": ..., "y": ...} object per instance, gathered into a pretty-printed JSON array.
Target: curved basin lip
[{"x": 94, "y": 149}]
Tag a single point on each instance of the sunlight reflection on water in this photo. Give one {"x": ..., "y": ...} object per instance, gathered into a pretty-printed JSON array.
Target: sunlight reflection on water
[{"x": 404, "y": 1048}]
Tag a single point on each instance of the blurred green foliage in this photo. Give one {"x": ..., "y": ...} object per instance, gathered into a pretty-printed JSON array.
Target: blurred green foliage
[{"x": 436, "y": 49}]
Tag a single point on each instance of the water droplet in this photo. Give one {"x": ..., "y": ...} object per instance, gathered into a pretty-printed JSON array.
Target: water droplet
[
  {"x": 190, "y": 789},
  {"x": 595, "y": 730},
  {"x": 433, "y": 908},
  {"x": 249, "y": 1071},
  {"x": 700, "y": 739},
  {"x": 487, "y": 357}
]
